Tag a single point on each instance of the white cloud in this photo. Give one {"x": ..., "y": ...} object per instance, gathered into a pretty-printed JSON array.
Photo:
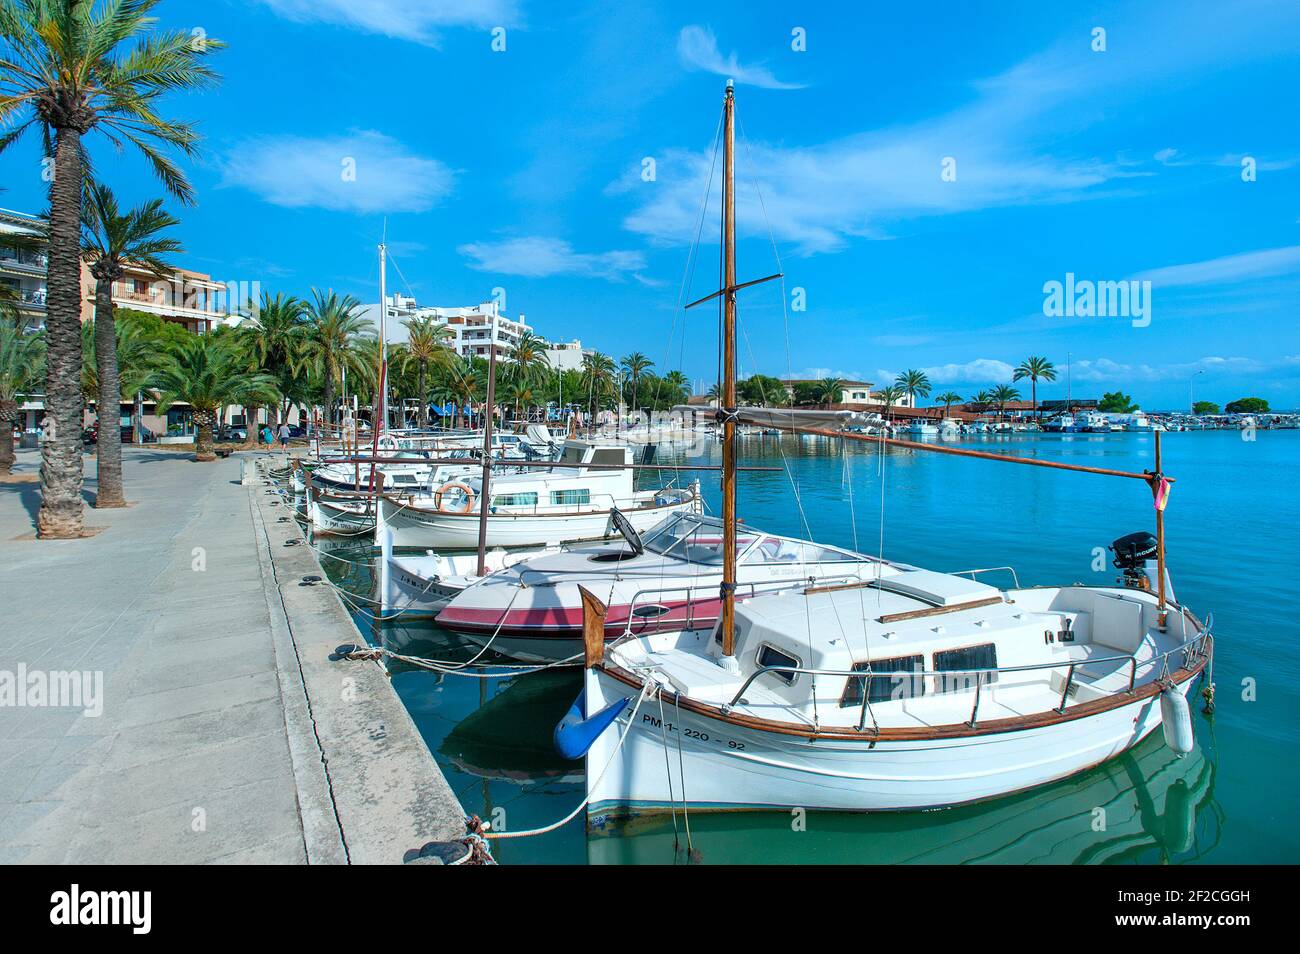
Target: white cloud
[
  {"x": 299, "y": 171},
  {"x": 698, "y": 49},
  {"x": 1267, "y": 263},
  {"x": 541, "y": 257},
  {"x": 417, "y": 20}
]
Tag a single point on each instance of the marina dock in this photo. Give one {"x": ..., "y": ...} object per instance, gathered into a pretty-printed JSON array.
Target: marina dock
[{"x": 224, "y": 733}]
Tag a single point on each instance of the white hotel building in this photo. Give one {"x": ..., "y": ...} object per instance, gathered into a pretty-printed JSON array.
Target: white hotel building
[{"x": 475, "y": 329}]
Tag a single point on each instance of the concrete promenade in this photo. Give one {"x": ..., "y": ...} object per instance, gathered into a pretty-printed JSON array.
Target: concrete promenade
[{"x": 226, "y": 735}]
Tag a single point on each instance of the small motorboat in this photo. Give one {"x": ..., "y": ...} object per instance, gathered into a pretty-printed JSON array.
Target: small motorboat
[
  {"x": 662, "y": 580},
  {"x": 574, "y": 499}
]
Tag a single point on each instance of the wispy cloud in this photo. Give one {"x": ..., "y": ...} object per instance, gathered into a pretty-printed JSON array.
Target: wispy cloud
[
  {"x": 362, "y": 171},
  {"x": 1215, "y": 366},
  {"x": 1013, "y": 139},
  {"x": 417, "y": 20},
  {"x": 698, "y": 49},
  {"x": 1268, "y": 263},
  {"x": 542, "y": 257}
]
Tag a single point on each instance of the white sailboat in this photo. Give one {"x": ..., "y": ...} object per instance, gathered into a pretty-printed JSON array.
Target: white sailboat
[{"x": 908, "y": 691}]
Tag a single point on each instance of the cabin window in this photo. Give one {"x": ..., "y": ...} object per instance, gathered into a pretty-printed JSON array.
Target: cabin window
[
  {"x": 528, "y": 499},
  {"x": 582, "y": 496},
  {"x": 983, "y": 656},
  {"x": 608, "y": 455},
  {"x": 893, "y": 678},
  {"x": 771, "y": 656}
]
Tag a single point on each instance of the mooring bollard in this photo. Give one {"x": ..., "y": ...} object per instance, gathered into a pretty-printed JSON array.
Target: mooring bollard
[{"x": 247, "y": 472}]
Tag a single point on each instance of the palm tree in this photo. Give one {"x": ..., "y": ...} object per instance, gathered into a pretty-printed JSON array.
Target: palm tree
[
  {"x": 425, "y": 348},
  {"x": 274, "y": 340},
  {"x": 1033, "y": 369},
  {"x": 888, "y": 398},
  {"x": 65, "y": 68},
  {"x": 530, "y": 365},
  {"x": 913, "y": 383},
  {"x": 333, "y": 338},
  {"x": 519, "y": 392},
  {"x": 678, "y": 387},
  {"x": 457, "y": 383},
  {"x": 598, "y": 378},
  {"x": 634, "y": 364},
  {"x": 981, "y": 398},
  {"x": 1003, "y": 395},
  {"x": 829, "y": 390},
  {"x": 109, "y": 241},
  {"x": 22, "y": 362},
  {"x": 948, "y": 399},
  {"x": 208, "y": 373},
  {"x": 137, "y": 360}
]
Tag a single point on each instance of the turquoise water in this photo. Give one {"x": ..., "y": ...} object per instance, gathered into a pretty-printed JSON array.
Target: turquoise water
[{"x": 1231, "y": 531}]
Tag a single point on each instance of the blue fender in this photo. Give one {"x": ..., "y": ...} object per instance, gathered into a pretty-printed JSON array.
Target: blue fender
[{"x": 574, "y": 734}]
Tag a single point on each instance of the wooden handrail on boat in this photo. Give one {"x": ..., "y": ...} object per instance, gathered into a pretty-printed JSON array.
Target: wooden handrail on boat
[{"x": 937, "y": 610}]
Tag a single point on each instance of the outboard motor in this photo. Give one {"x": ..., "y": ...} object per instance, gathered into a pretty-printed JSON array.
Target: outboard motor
[{"x": 1131, "y": 555}]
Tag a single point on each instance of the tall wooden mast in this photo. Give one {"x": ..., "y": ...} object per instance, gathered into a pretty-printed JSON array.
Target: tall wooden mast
[
  {"x": 727, "y": 410},
  {"x": 728, "y": 594}
]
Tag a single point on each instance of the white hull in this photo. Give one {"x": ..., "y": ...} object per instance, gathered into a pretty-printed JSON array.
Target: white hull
[
  {"x": 346, "y": 519},
  {"x": 428, "y": 529},
  {"x": 732, "y": 767}
]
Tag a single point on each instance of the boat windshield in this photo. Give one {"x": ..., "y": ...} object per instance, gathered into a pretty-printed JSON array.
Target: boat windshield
[{"x": 692, "y": 538}]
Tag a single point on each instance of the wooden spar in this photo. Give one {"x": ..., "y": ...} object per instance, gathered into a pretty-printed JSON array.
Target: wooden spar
[
  {"x": 483, "y": 498},
  {"x": 1160, "y": 534},
  {"x": 727, "y": 615},
  {"x": 593, "y": 628},
  {"x": 959, "y": 452}
]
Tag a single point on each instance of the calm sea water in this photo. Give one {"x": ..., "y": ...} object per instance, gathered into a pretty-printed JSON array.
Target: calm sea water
[{"x": 1232, "y": 543}]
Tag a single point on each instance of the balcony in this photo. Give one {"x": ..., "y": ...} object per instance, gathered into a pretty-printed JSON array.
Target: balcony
[{"x": 23, "y": 261}]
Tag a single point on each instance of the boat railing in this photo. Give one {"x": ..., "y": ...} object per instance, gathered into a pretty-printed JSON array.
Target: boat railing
[
  {"x": 1191, "y": 649},
  {"x": 1015, "y": 578},
  {"x": 655, "y": 595}
]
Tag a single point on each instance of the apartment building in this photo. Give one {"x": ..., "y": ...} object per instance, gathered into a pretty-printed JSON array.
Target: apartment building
[
  {"x": 22, "y": 268},
  {"x": 184, "y": 297},
  {"x": 474, "y": 329}
]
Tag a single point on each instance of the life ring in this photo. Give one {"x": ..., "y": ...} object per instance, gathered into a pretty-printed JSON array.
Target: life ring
[
  {"x": 451, "y": 485},
  {"x": 388, "y": 442}
]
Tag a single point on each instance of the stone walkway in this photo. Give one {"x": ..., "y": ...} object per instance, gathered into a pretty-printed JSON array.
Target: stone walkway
[{"x": 208, "y": 748}]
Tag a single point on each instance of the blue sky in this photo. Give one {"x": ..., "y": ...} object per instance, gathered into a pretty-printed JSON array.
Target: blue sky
[{"x": 522, "y": 169}]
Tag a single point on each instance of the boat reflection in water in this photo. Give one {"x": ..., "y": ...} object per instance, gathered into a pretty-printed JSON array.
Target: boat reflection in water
[
  {"x": 1146, "y": 806},
  {"x": 508, "y": 737}
]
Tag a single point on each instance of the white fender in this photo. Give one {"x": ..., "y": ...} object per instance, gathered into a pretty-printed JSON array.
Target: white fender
[{"x": 1176, "y": 719}]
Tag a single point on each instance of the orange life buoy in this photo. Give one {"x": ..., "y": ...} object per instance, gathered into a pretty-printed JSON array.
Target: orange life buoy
[{"x": 451, "y": 485}]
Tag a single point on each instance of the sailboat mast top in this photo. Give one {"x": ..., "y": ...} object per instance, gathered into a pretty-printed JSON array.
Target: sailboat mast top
[{"x": 728, "y": 593}]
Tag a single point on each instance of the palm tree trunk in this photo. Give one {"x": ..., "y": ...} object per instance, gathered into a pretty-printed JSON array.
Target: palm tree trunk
[
  {"x": 60, "y": 516},
  {"x": 203, "y": 420},
  {"x": 329, "y": 391},
  {"x": 1033, "y": 389},
  {"x": 137, "y": 419},
  {"x": 8, "y": 417},
  {"x": 250, "y": 427},
  {"x": 108, "y": 450},
  {"x": 424, "y": 400}
]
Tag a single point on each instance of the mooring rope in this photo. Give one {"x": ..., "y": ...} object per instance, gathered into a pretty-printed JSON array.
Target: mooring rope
[{"x": 631, "y": 721}]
